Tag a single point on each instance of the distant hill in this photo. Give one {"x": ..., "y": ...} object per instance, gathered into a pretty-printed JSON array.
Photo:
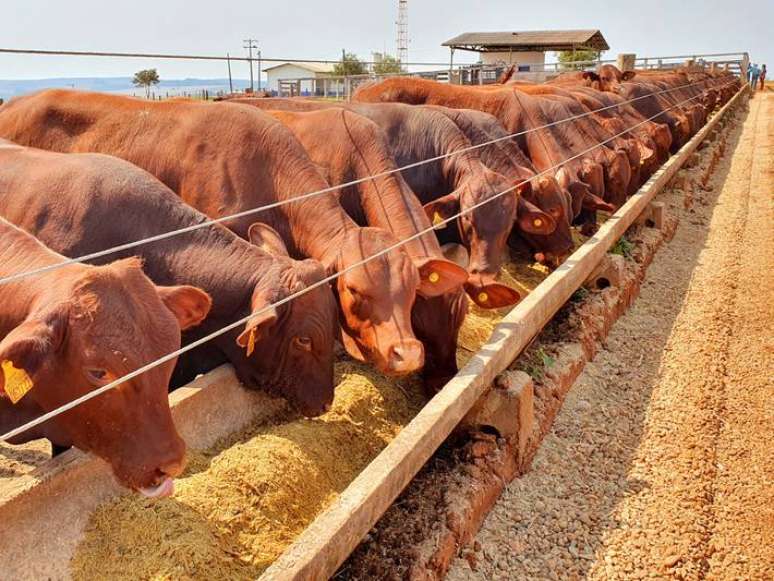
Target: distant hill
[{"x": 12, "y": 88}]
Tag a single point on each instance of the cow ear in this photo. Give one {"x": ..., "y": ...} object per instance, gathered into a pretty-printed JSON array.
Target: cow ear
[
  {"x": 590, "y": 76},
  {"x": 594, "y": 202},
  {"x": 494, "y": 295},
  {"x": 524, "y": 189},
  {"x": 533, "y": 220},
  {"x": 439, "y": 276},
  {"x": 628, "y": 75},
  {"x": 443, "y": 208},
  {"x": 27, "y": 346},
  {"x": 257, "y": 329},
  {"x": 578, "y": 191},
  {"x": 189, "y": 304},
  {"x": 267, "y": 239}
]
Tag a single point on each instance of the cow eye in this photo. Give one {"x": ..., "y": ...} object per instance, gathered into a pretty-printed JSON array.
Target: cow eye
[
  {"x": 98, "y": 376},
  {"x": 303, "y": 343}
]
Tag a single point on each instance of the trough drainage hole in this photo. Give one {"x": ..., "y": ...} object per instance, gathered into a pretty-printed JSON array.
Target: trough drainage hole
[
  {"x": 491, "y": 430},
  {"x": 602, "y": 283}
]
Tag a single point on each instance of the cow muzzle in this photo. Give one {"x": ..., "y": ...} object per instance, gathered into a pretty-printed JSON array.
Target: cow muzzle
[{"x": 405, "y": 356}]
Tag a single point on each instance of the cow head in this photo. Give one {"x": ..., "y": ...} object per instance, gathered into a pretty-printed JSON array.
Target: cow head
[
  {"x": 376, "y": 299},
  {"x": 288, "y": 349},
  {"x": 553, "y": 247},
  {"x": 484, "y": 229},
  {"x": 100, "y": 325},
  {"x": 611, "y": 77}
]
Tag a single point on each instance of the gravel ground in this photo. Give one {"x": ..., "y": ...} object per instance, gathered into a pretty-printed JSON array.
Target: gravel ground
[{"x": 659, "y": 464}]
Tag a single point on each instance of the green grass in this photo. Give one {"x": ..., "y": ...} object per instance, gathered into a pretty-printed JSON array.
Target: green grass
[{"x": 623, "y": 248}]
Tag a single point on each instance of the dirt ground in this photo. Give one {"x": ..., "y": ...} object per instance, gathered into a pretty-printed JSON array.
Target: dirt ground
[{"x": 660, "y": 462}]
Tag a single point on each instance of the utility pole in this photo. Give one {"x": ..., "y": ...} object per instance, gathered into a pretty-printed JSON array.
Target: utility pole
[
  {"x": 230, "y": 83},
  {"x": 250, "y": 44}
]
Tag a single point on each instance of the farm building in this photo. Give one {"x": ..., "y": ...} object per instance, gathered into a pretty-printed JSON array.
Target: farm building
[
  {"x": 297, "y": 70},
  {"x": 527, "y": 49}
]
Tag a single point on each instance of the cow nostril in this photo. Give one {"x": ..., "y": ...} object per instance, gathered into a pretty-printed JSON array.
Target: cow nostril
[{"x": 170, "y": 469}]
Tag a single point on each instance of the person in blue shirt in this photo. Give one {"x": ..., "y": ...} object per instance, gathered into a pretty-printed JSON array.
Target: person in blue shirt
[{"x": 753, "y": 75}]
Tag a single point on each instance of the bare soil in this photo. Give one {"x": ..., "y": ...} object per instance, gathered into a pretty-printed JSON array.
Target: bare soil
[{"x": 660, "y": 463}]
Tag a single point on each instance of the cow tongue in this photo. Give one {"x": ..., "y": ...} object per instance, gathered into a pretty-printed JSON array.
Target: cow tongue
[{"x": 166, "y": 488}]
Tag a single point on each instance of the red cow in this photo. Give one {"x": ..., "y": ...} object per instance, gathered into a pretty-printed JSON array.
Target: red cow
[
  {"x": 77, "y": 204},
  {"x": 66, "y": 332}
]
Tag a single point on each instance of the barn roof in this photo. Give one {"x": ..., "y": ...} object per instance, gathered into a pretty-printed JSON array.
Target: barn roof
[{"x": 529, "y": 40}]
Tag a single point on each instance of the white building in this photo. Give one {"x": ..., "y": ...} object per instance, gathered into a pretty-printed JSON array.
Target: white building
[{"x": 304, "y": 73}]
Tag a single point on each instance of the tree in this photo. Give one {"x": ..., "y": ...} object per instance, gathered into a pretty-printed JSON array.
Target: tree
[
  {"x": 568, "y": 57},
  {"x": 146, "y": 78},
  {"x": 385, "y": 64},
  {"x": 349, "y": 65}
]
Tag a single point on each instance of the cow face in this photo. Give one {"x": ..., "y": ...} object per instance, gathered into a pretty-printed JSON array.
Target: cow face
[
  {"x": 484, "y": 230},
  {"x": 106, "y": 323},
  {"x": 287, "y": 350},
  {"x": 376, "y": 299},
  {"x": 610, "y": 78}
]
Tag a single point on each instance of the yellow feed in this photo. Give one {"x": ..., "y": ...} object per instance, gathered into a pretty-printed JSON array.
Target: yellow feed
[
  {"x": 237, "y": 508},
  {"x": 241, "y": 504}
]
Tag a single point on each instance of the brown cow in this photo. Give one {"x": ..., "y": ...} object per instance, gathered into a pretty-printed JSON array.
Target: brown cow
[
  {"x": 225, "y": 159},
  {"x": 549, "y": 150},
  {"x": 348, "y": 147},
  {"x": 66, "y": 332},
  {"x": 505, "y": 157},
  {"x": 81, "y": 203},
  {"x": 446, "y": 187}
]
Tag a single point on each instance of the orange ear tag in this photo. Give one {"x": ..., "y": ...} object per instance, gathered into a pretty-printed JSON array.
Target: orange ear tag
[
  {"x": 434, "y": 277},
  {"x": 537, "y": 222},
  {"x": 251, "y": 342},
  {"x": 437, "y": 219},
  {"x": 483, "y": 297},
  {"x": 17, "y": 382}
]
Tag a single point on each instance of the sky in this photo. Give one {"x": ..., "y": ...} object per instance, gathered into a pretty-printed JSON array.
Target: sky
[{"x": 319, "y": 30}]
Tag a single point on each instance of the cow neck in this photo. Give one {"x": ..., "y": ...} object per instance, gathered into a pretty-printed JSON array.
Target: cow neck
[
  {"x": 319, "y": 225},
  {"x": 387, "y": 201},
  {"x": 215, "y": 260},
  {"x": 492, "y": 155}
]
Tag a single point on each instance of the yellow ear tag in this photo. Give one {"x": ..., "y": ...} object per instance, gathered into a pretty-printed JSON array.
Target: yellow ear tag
[
  {"x": 437, "y": 219},
  {"x": 17, "y": 382},
  {"x": 251, "y": 342},
  {"x": 483, "y": 297},
  {"x": 434, "y": 277},
  {"x": 537, "y": 222}
]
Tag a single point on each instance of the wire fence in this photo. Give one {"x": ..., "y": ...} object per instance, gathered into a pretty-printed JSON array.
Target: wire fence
[
  {"x": 171, "y": 356},
  {"x": 302, "y": 197}
]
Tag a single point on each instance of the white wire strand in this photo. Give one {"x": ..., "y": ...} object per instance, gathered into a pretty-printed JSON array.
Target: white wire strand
[
  {"x": 129, "y": 245},
  {"x": 97, "y": 392}
]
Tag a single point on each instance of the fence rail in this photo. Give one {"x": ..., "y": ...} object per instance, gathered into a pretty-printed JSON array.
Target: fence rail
[{"x": 342, "y": 87}]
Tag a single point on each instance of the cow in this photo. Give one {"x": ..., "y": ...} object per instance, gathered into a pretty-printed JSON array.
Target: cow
[
  {"x": 78, "y": 204},
  {"x": 520, "y": 114},
  {"x": 351, "y": 147},
  {"x": 505, "y": 157},
  {"x": 66, "y": 332},
  {"x": 457, "y": 183},
  {"x": 226, "y": 159}
]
